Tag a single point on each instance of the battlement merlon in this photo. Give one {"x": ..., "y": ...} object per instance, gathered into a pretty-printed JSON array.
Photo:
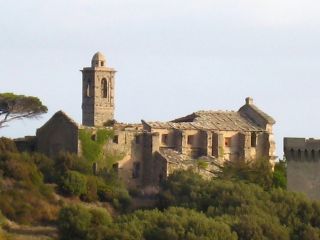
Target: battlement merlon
[{"x": 301, "y": 149}]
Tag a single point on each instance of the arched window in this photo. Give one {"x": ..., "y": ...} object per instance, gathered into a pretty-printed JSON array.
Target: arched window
[
  {"x": 313, "y": 155},
  {"x": 299, "y": 154},
  {"x": 306, "y": 155},
  {"x": 104, "y": 88},
  {"x": 88, "y": 90},
  {"x": 292, "y": 154}
]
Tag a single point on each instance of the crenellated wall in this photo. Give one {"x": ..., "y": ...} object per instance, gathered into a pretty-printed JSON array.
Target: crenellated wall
[{"x": 303, "y": 165}]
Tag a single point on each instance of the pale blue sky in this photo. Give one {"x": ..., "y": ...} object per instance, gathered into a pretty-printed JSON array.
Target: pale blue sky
[{"x": 172, "y": 57}]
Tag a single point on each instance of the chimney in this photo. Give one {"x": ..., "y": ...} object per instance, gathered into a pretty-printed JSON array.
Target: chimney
[{"x": 249, "y": 101}]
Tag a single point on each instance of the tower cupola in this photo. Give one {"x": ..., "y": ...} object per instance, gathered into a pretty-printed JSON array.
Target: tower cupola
[{"x": 98, "y": 60}]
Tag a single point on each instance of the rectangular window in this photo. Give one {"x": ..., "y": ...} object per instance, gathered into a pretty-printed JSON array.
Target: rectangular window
[
  {"x": 116, "y": 139},
  {"x": 164, "y": 139},
  {"x": 190, "y": 139},
  {"x": 115, "y": 167},
  {"x": 137, "y": 139},
  {"x": 136, "y": 170},
  {"x": 253, "y": 139},
  {"x": 227, "y": 142}
]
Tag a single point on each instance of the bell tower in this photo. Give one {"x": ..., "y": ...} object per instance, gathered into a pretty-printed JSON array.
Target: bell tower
[{"x": 97, "y": 92}]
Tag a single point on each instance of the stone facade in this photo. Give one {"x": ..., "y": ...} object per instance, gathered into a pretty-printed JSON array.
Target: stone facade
[
  {"x": 303, "y": 165},
  {"x": 97, "y": 92},
  {"x": 59, "y": 134},
  {"x": 224, "y": 135},
  {"x": 150, "y": 151}
]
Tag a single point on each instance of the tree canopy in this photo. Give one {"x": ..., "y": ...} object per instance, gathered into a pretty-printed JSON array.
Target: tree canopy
[{"x": 13, "y": 106}]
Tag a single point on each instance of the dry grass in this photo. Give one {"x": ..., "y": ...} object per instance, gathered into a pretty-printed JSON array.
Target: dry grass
[{"x": 16, "y": 232}]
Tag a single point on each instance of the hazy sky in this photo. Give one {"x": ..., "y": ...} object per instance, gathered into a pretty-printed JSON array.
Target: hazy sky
[{"x": 172, "y": 57}]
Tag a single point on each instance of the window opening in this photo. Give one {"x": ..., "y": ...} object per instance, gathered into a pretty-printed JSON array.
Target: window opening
[
  {"x": 313, "y": 155},
  {"x": 299, "y": 154},
  {"x": 116, "y": 139},
  {"x": 104, "y": 88},
  {"x": 136, "y": 170},
  {"x": 164, "y": 139},
  {"x": 88, "y": 90},
  {"x": 227, "y": 142},
  {"x": 190, "y": 139},
  {"x": 253, "y": 139}
]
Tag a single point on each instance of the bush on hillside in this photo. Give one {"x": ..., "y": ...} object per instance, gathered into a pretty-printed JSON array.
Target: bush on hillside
[
  {"x": 78, "y": 222},
  {"x": 68, "y": 161},
  {"x": 20, "y": 167},
  {"x": 280, "y": 175},
  {"x": 74, "y": 222},
  {"x": 174, "y": 223},
  {"x": 249, "y": 209},
  {"x": 73, "y": 183},
  {"x": 7, "y": 145}
]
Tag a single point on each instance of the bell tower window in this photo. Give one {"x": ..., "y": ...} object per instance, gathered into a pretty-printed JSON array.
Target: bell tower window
[
  {"x": 88, "y": 90},
  {"x": 104, "y": 88}
]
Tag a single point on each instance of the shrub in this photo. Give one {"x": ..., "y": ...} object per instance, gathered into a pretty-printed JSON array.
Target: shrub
[
  {"x": 280, "y": 175},
  {"x": 100, "y": 217},
  {"x": 46, "y": 166},
  {"x": 73, "y": 183},
  {"x": 77, "y": 222},
  {"x": 68, "y": 161},
  {"x": 74, "y": 222},
  {"x": 26, "y": 205},
  {"x": 7, "y": 145},
  {"x": 251, "y": 210},
  {"x": 20, "y": 167},
  {"x": 258, "y": 171},
  {"x": 2, "y": 219}
]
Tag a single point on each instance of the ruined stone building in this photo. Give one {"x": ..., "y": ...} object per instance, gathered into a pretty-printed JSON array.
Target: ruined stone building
[
  {"x": 303, "y": 165},
  {"x": 152, "y": 150}
]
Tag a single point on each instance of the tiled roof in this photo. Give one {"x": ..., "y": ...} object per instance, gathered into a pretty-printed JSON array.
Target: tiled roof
[
  {"x": 265, "y": 116},
  {"x": 173, "y": 156},
  {"x": 210, "y": 120}
]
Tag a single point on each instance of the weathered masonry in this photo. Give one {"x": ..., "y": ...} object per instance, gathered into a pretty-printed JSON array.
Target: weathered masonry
[
  {"x": 303, "y": 165},
  {"x": 150, "y": 151},
  {"x": 226, "y": 135},
  {"x": 97, "y": 92}
]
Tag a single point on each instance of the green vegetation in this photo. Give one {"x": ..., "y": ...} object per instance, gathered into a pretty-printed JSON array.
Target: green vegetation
[
  {"x": 77, "y": 222},
  {"x": 74, "y": 183},
  {"x": 13, "y": 107},
  {"x": 175, "y": 223},
  {"x": 280, "y": 175},
  {"x": 258, "y": 171},
  {"x": 92, "y": 149},
  {"x": 24, "y": 197},
  {"x": 250, "y": 210},
  {"x": 245, "y": 201}
]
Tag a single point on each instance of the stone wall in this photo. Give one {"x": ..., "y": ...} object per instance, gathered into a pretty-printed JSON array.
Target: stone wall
[
  {"x": 127, "y": 144},
  {"x": 59, "y": 134},
  {"x": 26, "y": 144},
  {"x": 225, "y": 145},
  {"x": 303, "y": 165}
]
